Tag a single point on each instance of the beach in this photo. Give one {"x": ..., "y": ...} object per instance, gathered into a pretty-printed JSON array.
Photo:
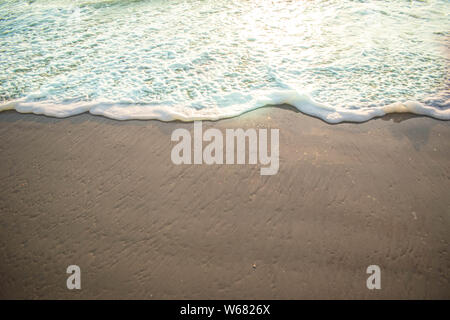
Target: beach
[{"x": 104, "y": 195}]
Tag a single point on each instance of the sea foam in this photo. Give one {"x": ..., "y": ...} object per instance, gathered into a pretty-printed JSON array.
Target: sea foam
[
  {"x": 304, "y": 103},
  {"x": 190, "y": 60}
]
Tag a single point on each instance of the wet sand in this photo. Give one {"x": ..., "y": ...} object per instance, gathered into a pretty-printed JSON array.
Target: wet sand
[{"x": 104, "y": 195}]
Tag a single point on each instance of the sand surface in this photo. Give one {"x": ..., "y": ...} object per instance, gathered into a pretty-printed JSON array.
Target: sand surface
[{"x": 104, "y": 195}]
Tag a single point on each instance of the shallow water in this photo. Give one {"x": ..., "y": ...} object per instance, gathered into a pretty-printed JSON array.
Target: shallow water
[{"x": 337, "y": 60}]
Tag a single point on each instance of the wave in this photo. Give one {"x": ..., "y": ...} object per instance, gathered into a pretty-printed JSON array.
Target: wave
[{"x": 125, "y": 110}]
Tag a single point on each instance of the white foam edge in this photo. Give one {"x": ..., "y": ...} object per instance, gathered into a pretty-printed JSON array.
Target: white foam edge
[{"x": 172, "y": 112}]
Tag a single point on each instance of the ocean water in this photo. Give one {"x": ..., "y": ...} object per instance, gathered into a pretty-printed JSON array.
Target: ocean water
[{"x": 338, "y": 60}]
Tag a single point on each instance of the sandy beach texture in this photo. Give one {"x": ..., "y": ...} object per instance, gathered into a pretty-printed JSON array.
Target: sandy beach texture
[{"x": 104, "y": 195}]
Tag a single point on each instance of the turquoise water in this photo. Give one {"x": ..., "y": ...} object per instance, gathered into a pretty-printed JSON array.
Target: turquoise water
[{"x": 337, "y": 60}]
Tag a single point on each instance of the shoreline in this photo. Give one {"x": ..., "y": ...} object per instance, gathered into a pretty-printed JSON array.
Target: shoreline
[
  {"x": 166, "y": 113},
  {"x": 104, "y": 194}
]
